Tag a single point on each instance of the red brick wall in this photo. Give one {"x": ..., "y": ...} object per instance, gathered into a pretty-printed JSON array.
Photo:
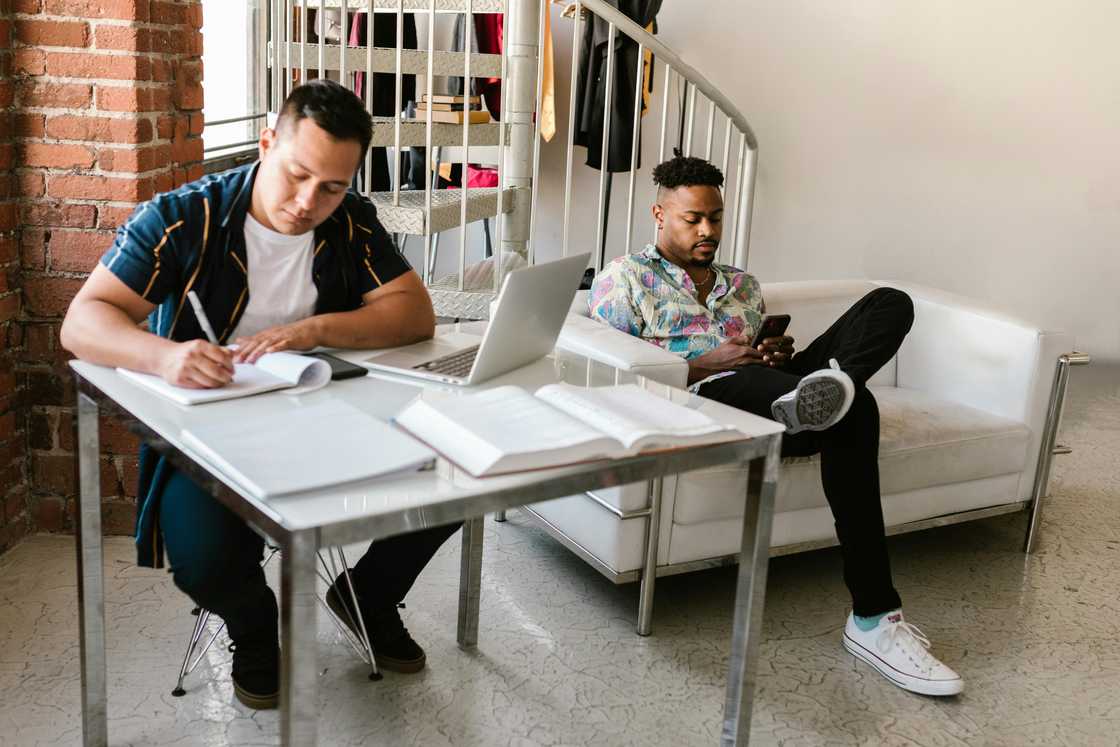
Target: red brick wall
[
  {"x": 14, "y": 522},
  {"x": 105, "y": 103}
]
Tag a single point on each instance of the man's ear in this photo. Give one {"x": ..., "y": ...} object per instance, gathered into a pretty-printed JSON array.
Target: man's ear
[
  {"x": 267, "y": 142},
  {"x": 658, "y": 214}
]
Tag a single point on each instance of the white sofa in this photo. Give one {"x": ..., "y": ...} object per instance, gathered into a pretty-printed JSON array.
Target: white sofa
[{"x": 964, "y": 422}]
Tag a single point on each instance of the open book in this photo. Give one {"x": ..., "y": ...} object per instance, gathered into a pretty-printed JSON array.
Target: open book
[
  {"x": 305, "y": 448},
  {"x": 507, "y": 429},
  {"x": 272, "y": 371}
]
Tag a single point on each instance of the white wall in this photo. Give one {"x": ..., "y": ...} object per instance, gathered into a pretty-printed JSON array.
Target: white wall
[{"x": 971, "y": 146}]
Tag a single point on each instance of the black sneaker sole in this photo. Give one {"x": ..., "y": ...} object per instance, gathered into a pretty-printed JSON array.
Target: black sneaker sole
[
  {"x": 255, "y": 700},
  {"x": 388, "y": 663}
]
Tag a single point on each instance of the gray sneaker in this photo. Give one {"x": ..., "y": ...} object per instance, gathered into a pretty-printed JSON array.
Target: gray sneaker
[{"x": 820, "y": 400}]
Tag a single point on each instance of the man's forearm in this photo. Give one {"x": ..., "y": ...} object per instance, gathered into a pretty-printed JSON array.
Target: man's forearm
[
  {"x": 396, "y": 319},
  {"x": 101, "y": 333}
]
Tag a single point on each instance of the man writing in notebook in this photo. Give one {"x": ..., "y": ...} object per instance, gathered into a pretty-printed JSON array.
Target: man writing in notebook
[
  {"x": 282, "y": 256},
  {"x": 676, "y": 296}
]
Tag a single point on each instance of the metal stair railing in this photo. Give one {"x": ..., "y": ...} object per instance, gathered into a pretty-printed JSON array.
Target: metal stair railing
[
  {"x": 290, "y": 57},
  {"x": 739, "y": 145}
]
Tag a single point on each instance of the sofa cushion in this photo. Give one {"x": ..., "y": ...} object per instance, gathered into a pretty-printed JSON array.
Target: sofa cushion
[{"x": 924, "y": 441}]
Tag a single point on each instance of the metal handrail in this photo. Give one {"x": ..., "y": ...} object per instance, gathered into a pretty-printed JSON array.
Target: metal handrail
[{"x": 738, "y": 188}]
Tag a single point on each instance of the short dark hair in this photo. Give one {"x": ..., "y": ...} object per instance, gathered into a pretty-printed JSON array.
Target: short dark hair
[
  {"x": 687, "y": 171},
  {"x": 332, "y": 106}
]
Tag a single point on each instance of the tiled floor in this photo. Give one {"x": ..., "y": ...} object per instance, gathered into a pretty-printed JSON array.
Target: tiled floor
[{"x": 1037, "y": 638}]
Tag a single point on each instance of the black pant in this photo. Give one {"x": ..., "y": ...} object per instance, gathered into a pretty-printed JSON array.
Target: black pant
[
  {"x": 862, "y": 341},
  {"x": 216, "y": 560}
]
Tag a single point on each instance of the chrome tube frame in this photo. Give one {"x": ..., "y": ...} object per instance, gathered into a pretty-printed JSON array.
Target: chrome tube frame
[
  {"x": 1048, "y": 447},
  {"x": 91, "y": 573},
  {"x": 750, "y": 596},
  {"x": 689, "y": 116},
  {"x": 429, "y": 89},
  {"x": 604, "y": 157},
  {"x": 635, "y": 136},
  {"x": 464, "y": 187},
  {"x": 499, "y": 228},
  {"x": 649, "y": 568},
  {"x": 711, "y": 130},
  {"x": 398, "y": 83},
  {"x": 470, "y": 582},
  {"x": 577, "y": 40}
]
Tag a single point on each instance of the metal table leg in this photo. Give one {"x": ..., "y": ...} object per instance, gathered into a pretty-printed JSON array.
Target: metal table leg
[
  {"x": 754, "y": 558},
  {"x": 470, "y": 582},
  {"x": 91, "y": 578},
  {"x": 299, "y": 682},
  {"x": 649, "y": 568}
]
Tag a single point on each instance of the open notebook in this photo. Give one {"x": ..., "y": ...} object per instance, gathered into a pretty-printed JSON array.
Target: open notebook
[
  {"x": 272, "y": 371},
  {"x": 507, "y": 429},
  {"x": 304, "y": 448}
]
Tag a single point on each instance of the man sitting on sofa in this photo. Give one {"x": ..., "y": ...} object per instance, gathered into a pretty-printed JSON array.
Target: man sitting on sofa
[
  {"x": 674, "y": 295},
  {"x": 283, "y": 256}
]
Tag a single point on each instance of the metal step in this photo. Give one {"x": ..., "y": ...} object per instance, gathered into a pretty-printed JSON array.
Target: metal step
[
  {"x": 296, "y": 55},
  {"x": 461, "y": 304},
  {"x": 410, "y": 6},
  {"x": 413, "y": 133},
  {"x": 410, "y": 216}
]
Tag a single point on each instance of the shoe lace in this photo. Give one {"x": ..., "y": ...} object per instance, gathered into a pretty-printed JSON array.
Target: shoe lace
[{"x": 911, "y": 639}]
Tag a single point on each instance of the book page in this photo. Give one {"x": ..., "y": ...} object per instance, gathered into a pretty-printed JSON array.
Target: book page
[
  {"x": 247, "y": 379},
  {"x": 515, "y": 421},
  {"x": 631, "y": 414},
  {"x": 502, "y": 429},
  {"x": 303, "y": 373}
]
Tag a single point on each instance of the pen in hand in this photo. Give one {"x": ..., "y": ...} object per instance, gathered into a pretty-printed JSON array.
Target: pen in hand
[{"x": 201, "y": 315}]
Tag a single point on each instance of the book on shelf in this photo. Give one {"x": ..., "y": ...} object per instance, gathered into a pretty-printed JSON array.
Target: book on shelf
[
  {"x": 447, "y": 107},
  {"x": 507, "y": 429},
  {"x": 292, "y": 371},
  {"x": 476, "y": 117},
  {"x": 440, "y": 98},
  {"x": 310, "y": 447}
]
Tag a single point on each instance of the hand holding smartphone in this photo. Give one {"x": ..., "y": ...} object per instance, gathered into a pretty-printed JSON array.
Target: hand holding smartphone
[{"x": 773, "y": 325}]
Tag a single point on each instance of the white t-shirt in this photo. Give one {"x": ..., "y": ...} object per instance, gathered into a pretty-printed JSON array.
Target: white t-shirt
[{"x": 281, "y": 289}]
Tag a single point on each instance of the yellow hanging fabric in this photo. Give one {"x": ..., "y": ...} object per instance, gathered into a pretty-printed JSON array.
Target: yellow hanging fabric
[{"x": 548, "y": 81}]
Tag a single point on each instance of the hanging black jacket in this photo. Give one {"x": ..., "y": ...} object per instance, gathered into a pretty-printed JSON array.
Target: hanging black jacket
[{"x": 589, "y": 98}]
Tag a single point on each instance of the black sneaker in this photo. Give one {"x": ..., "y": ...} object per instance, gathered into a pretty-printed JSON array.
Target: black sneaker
[
  {"x": 256, "y": 671},
  {"x": 393, "y": 647}
]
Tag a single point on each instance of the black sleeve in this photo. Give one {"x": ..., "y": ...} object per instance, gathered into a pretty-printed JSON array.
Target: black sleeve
[
  {"x": 377, "y": 257},
  {"x": 143, "y": 254}
]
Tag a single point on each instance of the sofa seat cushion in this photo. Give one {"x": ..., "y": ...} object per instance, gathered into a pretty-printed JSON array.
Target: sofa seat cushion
[{"x": 924, "y": 441}]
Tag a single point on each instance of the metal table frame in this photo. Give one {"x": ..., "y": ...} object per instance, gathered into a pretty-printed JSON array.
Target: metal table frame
[{"x": 298, "y": 611}]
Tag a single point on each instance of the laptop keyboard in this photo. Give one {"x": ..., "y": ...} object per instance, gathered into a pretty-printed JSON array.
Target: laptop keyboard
[{"x": 455, "y": 364}]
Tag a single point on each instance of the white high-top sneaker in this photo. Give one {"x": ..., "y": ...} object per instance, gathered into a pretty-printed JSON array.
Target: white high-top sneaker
[
  {"x": 818, "y": 402},
  {"x": 901, "y": 654}
]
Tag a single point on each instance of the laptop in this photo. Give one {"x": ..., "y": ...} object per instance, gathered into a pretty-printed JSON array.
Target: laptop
[{"x": 524, "y": 324}]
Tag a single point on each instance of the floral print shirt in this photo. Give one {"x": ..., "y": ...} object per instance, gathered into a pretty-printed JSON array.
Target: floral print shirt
[{"x": 648, "y": 296}]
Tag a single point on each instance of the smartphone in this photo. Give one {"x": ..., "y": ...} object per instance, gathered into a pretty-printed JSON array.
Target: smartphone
[
  {"x": 773, "y": 325},
  {"x": 340, "y": 369}
]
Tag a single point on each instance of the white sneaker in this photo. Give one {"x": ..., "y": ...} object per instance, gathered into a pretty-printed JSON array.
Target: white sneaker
[
  {"x": 818, "y": 402},
  {"x": 901, "y": 654}
]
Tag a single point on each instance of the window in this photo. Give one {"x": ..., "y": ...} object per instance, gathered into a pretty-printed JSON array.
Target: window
[{"x": 233, "y": 43}]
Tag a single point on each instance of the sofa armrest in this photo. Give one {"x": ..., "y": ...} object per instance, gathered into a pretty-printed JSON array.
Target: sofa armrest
[
  {"x": 606, "y": 344},
  {"x": 965, "y": 351}
]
